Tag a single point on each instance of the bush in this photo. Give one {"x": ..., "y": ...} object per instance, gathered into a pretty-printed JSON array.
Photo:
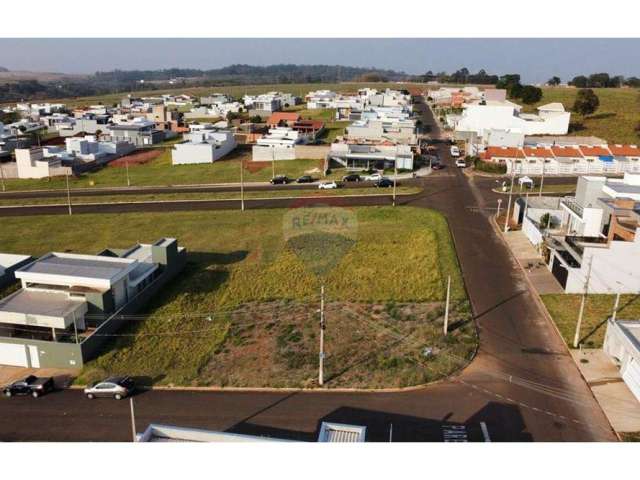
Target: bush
[{"x": 489, "y": 167}]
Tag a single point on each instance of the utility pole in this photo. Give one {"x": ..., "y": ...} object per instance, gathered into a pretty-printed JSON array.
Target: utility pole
[
  {"x": 2, "y": 178},
  {"x": 576, "y": 339},
  {"x": 75, "y": 327},
  {"x": 68, "y": 194},
  {"x": 395, "y": 177},
  {"x": 542, "y": 178},
  {"x": 273, "y": 162},
  {"x": 446, "y": 305},
  {"x": 241, "y": 184},
  {"x": 390, "y": 432},
  {"x": 506, "y": 219},
  {"x": 126, "y": 165},
  {"x": 133, "y": 421},
  {"x": 499, "y": 203},
  {"x": 321, "y": 357},
  {"x": 615, "y": 307}
]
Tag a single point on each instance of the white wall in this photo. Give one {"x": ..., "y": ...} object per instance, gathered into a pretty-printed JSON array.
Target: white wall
[{"x": 262, "y": 153}]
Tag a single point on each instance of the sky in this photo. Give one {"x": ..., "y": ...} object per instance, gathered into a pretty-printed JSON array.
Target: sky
[{"x": 535, "y": 59}]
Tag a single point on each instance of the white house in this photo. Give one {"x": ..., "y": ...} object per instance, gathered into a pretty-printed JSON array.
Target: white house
[
  {"x": 622, "y": 344},
  {"x": 505, "y": 115},
  {"x": 365, "y": 156},
  {"x": 278, "y": 144},
  {"x": 203, "y": 146},
  {"x": 33, "y": 163}
]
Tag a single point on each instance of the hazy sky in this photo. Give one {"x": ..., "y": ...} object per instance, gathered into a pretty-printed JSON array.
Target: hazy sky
[{"x": 535, "y": 59}]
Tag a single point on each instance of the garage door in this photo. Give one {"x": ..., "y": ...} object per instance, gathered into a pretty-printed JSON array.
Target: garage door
[
  {"x": 13, "y": 354},
  {"x": 631, "y": 377}
]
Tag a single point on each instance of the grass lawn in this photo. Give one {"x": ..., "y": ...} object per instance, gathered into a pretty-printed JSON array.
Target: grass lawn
[
  {"x": 160, "y": 171},
  {"x": 244, "y": 311},
  {"x": 564, "y": 310},
  {"x": 615, "y": 119},
  {"x": 62, "y": 199}
]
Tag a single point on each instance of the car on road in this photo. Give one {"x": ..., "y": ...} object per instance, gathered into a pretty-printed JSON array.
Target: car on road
[
  {"x": 374, "y": 177},
  {"x": 460, "y": 163},
  {"x": 437, "y": 166},
  {"x": 455, "y": 151},
  {"x": 384, "y": 183},
  {"x": 305, "y": 179},
  {"x": 280, "y": 180},
  {"x": 31, "y": 385},
  {"x": 113, "y": 387},
  {"x": 328, "y": 185},
  {"x": 353, "y": 177}
]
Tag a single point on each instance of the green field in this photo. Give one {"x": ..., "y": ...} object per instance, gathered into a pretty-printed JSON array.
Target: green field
[
  {"x": 244, "y": 311},
  {"x": 159, "y": 171},
  {"x": 614, "y": 121},
  {"x": 564, "y": 310}
]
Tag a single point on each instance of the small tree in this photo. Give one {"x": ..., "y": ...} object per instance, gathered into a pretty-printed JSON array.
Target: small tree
[
  {"x": 554, "y": 81},
  {"x": 587, "y": 102},
  {"x": 530, "y": 94},
  {"x": 545, "y": 219}
]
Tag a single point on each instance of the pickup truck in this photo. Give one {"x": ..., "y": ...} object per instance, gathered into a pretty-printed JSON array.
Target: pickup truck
[{"x": 31, "y": 385}]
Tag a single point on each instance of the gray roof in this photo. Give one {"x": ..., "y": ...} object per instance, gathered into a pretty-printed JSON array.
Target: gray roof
[
  {"x": 95, "y": 267},
  {"x": 33, "y": 302}
]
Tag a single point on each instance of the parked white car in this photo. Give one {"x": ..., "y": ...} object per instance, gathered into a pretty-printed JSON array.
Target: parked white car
[
  {"x": 455, "y": 151},
  {"x": 375, "y": 177},
  {"x": 460, "y": 163},
  {"x": 327, "y": 185}
]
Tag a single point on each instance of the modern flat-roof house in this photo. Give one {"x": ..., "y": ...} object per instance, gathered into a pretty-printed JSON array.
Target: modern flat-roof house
[
  {"x": 69, "y": 302},
  {"x": 379, "y": 130},
  {"x": 203, "y": 146},
  {"x": 365, "y": 156},
  {"x": 278, "y": 144},
  {"x": 622, "y": 344},
  {"x": 329, "y": 433},
  {"x": 33, "y": 163},
  {"x": 138, "y": 132},
  {"x": 9, "y": 263}
]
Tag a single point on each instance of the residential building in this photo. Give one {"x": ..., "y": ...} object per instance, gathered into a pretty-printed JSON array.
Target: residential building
[
  {"x": 282, "y": 119},
  {"x": 139, "y": 132},
  {"x": 70, "y": 303},
  {"x": 365, "y": 156},
  {"x": 380, "y": 130},
  {"x": 278, "y": 144},
  {"x": 9, "y": 263},
  {"x": 321, "y": 99},
  {"x": 622, "y": 344},
  {"x": 34, "y": 163},
  {"x": 203, "y": 146},
  {"x": 215, "y": 99}
]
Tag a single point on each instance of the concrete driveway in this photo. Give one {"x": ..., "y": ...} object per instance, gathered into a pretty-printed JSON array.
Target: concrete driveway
[{"x": 61, "y": 376}]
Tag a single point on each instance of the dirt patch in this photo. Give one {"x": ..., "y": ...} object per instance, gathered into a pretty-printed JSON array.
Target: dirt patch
[
  {"x": 275, "y": 344},
  {"x": 139, "y": 157}
]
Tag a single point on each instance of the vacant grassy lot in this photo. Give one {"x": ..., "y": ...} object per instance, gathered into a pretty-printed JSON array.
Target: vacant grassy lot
[
  {"x": 564, "y": 310},
  {"x": 160, "y": 171},
  {"x": 615, "y": 119},
  {"x": 244, "y": 311}
]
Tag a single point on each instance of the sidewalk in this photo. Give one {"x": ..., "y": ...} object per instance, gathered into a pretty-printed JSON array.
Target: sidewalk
[
  {"x": 603, "y": 377},
  {"x": 532, "y": 263}
]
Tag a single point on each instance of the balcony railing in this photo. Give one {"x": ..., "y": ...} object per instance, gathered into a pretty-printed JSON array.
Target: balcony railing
[{"x": 573, "y": 205}]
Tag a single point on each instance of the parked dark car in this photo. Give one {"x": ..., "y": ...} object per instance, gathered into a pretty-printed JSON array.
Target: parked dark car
[
  {"x": 305, "y": 179},
  {"x": 32, "y": 385},
  {"x": 437, "y": 166},
  {"x": 116, "y": 387},
  {"x": 385, "y": 183},
  {"x": 280, "y": 180},
  {"x": 353, "y": 177}
]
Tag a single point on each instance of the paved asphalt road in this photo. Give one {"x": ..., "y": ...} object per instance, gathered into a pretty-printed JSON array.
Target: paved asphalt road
[{"x": 523, "y": 384}]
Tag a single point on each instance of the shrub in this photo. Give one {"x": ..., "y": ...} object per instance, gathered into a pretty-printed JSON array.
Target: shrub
[{"x": 489, "y": 167}]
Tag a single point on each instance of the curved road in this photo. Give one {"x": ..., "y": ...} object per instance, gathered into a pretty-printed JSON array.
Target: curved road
[{"x": 523, "y": 384}]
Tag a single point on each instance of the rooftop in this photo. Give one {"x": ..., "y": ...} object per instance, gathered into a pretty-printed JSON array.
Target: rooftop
[
  {"x": 8, "y": 260},
  {"x": 341, "y": 433},
  {"x": 46, "y": 304},
  {"x": 75, "y": 265}
]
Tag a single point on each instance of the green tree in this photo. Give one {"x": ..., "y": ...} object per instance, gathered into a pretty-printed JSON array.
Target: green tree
[
  {"x": 587, "y": 102},
  {"x": 554, "y": 81},
  {"x": 580, "y": 81},
  {"x": 530, "y": 94}
]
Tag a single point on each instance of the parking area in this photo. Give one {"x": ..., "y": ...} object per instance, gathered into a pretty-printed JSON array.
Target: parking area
[
  {"x": 603, "y": 377},
  {"x": 62, "y": 377}
]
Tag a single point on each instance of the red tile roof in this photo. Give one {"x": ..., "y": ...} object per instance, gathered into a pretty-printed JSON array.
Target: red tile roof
[
  {"x": 309, "y": 124},
  {"x": 566, "y": 151},
  {"x": 277, "y": 117},
  {"x": 625, "y": 150},
  {"x": 594, "y": 151},
  {"x": 540, "y": 152},
  {"x": 504, "y": 152}
]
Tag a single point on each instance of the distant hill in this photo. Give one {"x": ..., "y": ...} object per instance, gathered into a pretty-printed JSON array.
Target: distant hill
[{"x": 3, "y": 69}]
